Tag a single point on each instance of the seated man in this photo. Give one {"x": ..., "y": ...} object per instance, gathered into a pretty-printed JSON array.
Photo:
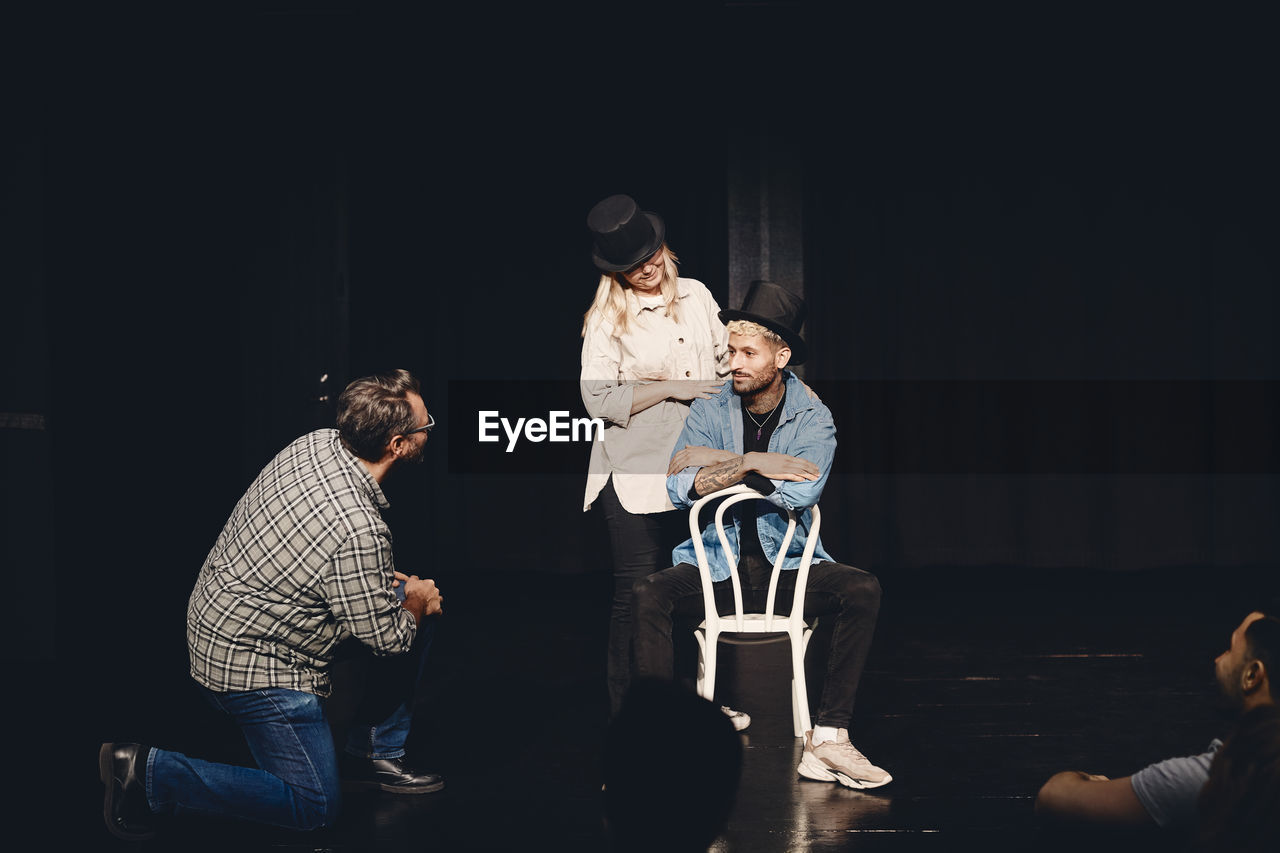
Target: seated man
[
  {"x": 303, "y": 563},
  {"x": 771, "y": 432},
  {"x": 1165, "y": 793}
]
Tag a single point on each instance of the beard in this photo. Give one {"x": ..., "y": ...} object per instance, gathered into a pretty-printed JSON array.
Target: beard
[
  {"x": 413, "y": 457},
  {"x": 755, "y": 384}
]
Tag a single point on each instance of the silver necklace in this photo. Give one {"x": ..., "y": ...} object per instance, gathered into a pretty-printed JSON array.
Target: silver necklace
[{"x": 760, "y": 424}]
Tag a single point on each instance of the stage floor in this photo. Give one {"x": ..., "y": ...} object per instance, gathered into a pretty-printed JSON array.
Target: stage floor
[{"x": 980, "y": 685}]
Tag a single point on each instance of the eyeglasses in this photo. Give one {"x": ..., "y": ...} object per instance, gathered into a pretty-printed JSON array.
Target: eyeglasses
[{"x": 431, "y": 422}]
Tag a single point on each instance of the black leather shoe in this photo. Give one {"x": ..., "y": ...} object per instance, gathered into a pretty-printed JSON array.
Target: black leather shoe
[
  {"x": 122, "y": 767},
  {"x": 387, "y": 774}
]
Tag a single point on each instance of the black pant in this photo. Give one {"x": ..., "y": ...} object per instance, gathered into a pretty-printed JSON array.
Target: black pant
[
  {"x": 853, "y": 595},
  {"x": 642, "y": 544}
]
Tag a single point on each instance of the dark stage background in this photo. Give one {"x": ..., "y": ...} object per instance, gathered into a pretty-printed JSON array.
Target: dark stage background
[{"x": 1039, "y": 254}]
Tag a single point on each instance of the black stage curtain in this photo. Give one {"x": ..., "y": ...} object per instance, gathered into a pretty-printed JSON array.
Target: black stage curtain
[
  {"x": 27, "y": 542},
  {"x": 338, "y": 200},
  {"x": 1051, "y": 337}
]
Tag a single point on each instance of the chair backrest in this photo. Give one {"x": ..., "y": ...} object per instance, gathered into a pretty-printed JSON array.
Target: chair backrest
[{"x": 733, "y": 495}]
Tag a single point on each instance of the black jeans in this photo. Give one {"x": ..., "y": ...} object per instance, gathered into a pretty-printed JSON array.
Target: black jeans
[
  {"x": 642, "y": 545},
  {"x": 853, "y": 595}
]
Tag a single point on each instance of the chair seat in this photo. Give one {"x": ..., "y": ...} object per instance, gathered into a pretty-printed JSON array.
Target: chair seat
[{"x": 752, "y": 623}]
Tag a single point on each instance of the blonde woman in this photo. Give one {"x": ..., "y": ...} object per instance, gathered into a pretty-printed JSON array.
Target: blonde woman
[{"x": 652, "y": 342}]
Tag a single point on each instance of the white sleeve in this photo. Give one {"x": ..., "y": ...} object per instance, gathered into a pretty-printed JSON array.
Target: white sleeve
[{"x": 603, "y": 394}]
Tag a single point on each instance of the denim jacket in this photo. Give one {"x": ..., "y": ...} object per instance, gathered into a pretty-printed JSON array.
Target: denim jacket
[{"x": 805, "y": 429}]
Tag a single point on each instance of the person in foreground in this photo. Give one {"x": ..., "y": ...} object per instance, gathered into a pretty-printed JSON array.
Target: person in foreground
[
  {"x": 1165, "y": 794},
  {"x": 672, "y": 765},
  {"x": 770, "y": 431},
  {"x": 1240, "y": 802},
  {"x": 303, "y": 564}
]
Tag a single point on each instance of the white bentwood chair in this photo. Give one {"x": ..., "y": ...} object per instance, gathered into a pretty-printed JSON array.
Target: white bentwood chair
[{"x": 793, "y": 625}]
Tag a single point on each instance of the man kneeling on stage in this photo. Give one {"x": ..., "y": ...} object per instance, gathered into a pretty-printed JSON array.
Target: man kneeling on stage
[
  {"x": 772, "y": 433},
  {"x": 303, "y": 564}
]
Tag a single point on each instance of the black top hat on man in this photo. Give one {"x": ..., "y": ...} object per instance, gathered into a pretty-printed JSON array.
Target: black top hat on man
[
  {"x": 624, "y": 235},
  {"x": 778, "y": 310}
]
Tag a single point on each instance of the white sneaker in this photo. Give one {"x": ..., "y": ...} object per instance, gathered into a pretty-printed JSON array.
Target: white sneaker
[
  {"x": 740, "y": 720},
  {"x": 839, "y": 761}
]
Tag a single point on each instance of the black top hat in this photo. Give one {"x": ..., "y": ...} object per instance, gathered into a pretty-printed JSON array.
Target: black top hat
[
  {"x": 777, "y": 309},
  {"x": 624, "y": 234}
]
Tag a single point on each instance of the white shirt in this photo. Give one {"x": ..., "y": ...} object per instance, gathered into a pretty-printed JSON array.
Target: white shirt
[{"x": 636, "y": 448}]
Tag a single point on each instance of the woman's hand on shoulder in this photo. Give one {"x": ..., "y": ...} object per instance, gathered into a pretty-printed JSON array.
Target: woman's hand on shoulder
[{"x": 693, "y": 389}]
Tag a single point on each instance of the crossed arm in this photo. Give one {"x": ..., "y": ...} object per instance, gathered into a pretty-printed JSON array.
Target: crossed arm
[
  {"x": 719, "y": 469},
  {"x": 704, "y": 463}
]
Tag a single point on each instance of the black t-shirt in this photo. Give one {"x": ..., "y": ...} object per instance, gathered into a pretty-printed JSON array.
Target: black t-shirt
[{"x": 755, "y": 438}]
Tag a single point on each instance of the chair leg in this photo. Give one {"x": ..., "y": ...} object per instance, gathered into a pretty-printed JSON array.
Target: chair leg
[
  {"x": 702, "y": 652},
  {"x": 707, "y": 668},
  {"x": 795, "y": 711},
  {"x": 799, "y": 690}
]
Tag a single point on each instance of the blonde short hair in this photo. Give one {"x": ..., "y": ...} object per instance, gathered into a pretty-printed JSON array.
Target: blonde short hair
[{"x": 747, "y": 328}]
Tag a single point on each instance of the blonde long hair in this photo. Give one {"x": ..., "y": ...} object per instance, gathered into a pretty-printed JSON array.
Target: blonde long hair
[{"x": 610, "y": 302}]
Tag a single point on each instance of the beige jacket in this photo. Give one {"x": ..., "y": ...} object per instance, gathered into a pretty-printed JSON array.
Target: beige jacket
[{"x": 636, "y": 448}]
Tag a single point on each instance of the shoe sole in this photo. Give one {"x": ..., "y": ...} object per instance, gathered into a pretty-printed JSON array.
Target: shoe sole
[
  {"x": 813, "y": 768},
  {"x": 392, "y": 789},
  {"x": 105, "y": 760}
]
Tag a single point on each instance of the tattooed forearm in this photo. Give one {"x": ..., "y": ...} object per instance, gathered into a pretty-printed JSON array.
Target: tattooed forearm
[{"x": 713, "y": 478}]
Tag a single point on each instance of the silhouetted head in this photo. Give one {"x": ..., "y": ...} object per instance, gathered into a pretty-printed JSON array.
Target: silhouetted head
[{"x": 672, "y": 763}]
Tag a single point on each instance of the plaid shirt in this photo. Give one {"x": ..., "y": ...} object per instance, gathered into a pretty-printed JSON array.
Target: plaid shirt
[{"x": 303, "y": 563}]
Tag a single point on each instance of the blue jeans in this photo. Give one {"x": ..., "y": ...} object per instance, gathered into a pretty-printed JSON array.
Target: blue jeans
[
  {"x": 381, "y": 725},
  {"x": 296, "y": 783}
]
